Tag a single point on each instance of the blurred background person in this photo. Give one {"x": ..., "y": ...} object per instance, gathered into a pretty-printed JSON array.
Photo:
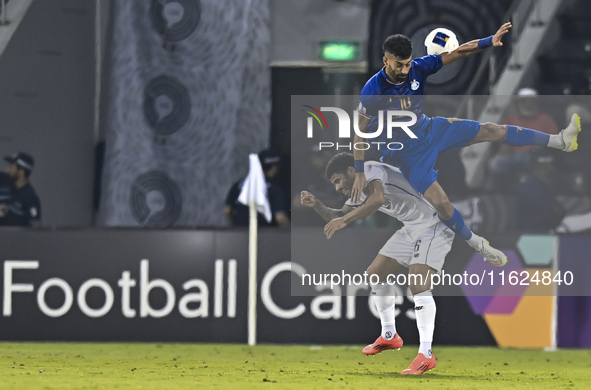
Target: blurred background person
[
  {"x": 237, "y": 214},
  {"x": 315, "y": 182},
  {"x": 24, "y": 208},
  {"x": 510, "y": 162},
  {"x": 6, "y": 190},
  {"x": 582, "y": 161},
  {"x": 537, "y": 209}
]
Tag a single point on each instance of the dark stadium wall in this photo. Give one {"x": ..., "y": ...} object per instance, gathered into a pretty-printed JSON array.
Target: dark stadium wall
[
  {"x": 298, "y": 26},
  {"x": 47, "y": 77}
]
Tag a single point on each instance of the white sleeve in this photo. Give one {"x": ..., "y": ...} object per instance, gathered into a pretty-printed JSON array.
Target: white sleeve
[{"x": 375, "y": 172}]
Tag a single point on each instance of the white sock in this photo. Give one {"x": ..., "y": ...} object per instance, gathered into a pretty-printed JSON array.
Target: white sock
[
  {"x": 425, "y": 311},
  {"x": 384, "y": 299},
  {"x": 475, "y": 240},
  {"x": 556, "y": 141}
]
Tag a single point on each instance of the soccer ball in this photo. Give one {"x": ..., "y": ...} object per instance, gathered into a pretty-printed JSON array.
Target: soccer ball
[{"x": 440, "y": 40}]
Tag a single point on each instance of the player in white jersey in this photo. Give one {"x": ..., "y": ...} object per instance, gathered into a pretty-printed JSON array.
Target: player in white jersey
[{"x": 421, "y": 246}]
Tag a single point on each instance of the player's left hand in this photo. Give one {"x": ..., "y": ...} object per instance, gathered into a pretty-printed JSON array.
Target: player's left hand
[
  {"x": 502, "y": 31},
  {"x": 333, "y": 226},
  {"x": 307, "y": 199},
  {"x": 359, "y": 184}
]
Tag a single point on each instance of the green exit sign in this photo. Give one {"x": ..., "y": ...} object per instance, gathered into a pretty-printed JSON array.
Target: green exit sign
[{"x": 339, "y": 51}]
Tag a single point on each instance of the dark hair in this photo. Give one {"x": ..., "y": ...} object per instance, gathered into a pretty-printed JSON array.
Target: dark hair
[
  {"x": 398, "y": 45},
  {"x": 269, "y": 158},
  {"x": 339, "y": 164}
]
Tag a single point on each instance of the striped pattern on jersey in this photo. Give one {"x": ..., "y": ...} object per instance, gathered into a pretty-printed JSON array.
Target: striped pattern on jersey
[{"x": 403, "y": 202}]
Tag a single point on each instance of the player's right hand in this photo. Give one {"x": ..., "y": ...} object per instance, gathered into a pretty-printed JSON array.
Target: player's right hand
[
  {"x": 358, "y": 186},
  {"x": 307, "y": 199},
  {"x": 334, "y": 225},
  {"x": 499, "y": 34}
]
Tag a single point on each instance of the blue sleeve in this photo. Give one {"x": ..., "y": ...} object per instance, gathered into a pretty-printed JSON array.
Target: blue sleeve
[
  {"x": 428, "y": 65},
  {"x": 369, "y": 99}
]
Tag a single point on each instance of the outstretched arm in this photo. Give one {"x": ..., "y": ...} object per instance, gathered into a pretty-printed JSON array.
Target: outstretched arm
[
  {"x": 475, "y": 46},
  {"x": 375, "y": 198},
  {"x": 327, "y": 213}
]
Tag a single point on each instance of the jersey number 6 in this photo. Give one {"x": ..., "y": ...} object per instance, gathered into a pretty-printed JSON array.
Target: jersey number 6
[{"x": 417, "y": 245}]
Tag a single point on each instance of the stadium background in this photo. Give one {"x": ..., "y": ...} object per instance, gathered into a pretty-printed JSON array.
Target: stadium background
[{"x": 141, "y": 115}]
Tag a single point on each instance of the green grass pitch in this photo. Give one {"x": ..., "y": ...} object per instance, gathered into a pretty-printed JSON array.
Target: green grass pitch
[{"x": 191, "y": 366}]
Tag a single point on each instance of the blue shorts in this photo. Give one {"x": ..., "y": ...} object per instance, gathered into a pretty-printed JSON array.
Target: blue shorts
[{"x": 417, "y": 158}]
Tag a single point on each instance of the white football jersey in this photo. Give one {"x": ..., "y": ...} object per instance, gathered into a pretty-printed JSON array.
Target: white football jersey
[{"x": 402, "y": 201}]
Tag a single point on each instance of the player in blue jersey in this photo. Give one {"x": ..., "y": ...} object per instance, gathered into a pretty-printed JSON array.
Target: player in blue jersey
[{"x": 399, "y": 86}]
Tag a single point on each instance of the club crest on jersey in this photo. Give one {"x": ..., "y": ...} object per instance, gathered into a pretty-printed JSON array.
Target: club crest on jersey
[
  {"x": 415, "y": 85},
  {"x": 361, "y": 109}
]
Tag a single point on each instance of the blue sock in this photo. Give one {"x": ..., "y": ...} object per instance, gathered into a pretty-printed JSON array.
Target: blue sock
[
  {"x": 457, "y": 225},
  {"x": 519, "y": 136}
]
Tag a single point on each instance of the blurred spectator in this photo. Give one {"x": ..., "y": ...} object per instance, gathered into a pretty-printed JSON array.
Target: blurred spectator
[
  {"x": 6, "y": 191},
  {"x": 315, "y": 182},
  {"x": 24, "y": 208},
  {"x": 583, "y": 112},
  {"x": 452, "y": 175},
  {"x": 510, "y": 160},
  {"x": 582, "y": 158},
  {"x": 537, "y": 209},
  {"x": 237, "y": 214}
]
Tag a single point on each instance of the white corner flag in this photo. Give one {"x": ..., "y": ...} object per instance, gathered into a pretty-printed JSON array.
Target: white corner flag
[
  {"x": 254, "y": 195},
  {"x": 255, "y": 188}
]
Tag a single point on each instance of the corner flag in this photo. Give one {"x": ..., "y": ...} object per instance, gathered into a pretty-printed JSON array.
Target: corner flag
[
  {"x": 254, "y": 195},
  {"x": 255, "y": 188}
]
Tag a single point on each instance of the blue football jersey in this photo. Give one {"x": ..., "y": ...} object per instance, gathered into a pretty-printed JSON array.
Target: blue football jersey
[{"x": 379, "y": 93}]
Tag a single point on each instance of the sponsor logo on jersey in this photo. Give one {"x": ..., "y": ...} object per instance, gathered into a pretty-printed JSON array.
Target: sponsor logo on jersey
[{"x": 361, "y": 109}]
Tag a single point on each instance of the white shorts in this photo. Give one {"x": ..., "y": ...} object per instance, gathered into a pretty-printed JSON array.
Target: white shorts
[{"x": 425, "y": 246}]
